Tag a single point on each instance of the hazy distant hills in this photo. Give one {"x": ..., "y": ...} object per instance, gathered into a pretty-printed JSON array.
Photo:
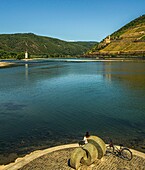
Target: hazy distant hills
[
  {"x": 129, "y": 40},
  {"x": 41, "y": 45}
]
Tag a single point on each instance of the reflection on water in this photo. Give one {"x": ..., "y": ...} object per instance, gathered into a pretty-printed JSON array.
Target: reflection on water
[
  {"x": 26, "y": 71},
  {"x": 130, "y": 73},
  {"x": 107, "y": 70},
  {"x": 62, "y": 100}
]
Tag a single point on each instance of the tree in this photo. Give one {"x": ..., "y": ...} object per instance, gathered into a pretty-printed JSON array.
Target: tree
[{"x": 20, "y": 56}]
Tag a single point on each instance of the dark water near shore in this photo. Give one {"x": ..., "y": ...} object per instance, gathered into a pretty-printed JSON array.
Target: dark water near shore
[{"x": 44, "y": 104}]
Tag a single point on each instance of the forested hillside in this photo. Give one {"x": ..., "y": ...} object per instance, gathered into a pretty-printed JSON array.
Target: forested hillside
[{"x": 14, "y": 45}]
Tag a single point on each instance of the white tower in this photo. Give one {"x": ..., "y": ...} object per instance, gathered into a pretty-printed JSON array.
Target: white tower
[{"x": 26, "y": 55}]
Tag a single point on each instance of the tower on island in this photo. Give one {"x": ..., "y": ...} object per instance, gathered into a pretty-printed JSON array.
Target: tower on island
[{"x": 26, "y": 55}]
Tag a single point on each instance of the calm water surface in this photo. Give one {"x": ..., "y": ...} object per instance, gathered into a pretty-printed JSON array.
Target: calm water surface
[{"x": 49, "y": 103}]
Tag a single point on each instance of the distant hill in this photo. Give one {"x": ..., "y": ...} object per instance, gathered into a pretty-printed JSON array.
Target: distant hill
[
  {"x": 129, "y": 40},
  {"x": 40, "y": 45}
]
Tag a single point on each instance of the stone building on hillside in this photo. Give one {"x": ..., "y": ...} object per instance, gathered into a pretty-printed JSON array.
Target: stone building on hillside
[{"x": 107, "y": 40}]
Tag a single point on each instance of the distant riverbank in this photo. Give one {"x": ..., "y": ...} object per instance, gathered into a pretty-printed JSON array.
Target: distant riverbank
[
  {"x": 8, "y": 62},
  {"x": 84, "y": 59}
]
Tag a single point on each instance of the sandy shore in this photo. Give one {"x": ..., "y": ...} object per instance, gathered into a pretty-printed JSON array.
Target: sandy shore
[
  {"x": 5, "y": 64},
  {"x": 56, "y": 158}
]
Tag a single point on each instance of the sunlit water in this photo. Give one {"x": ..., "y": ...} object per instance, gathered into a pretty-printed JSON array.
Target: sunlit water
[{"x": 44, "y": 104}]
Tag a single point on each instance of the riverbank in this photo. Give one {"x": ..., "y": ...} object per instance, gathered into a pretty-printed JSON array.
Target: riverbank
[
  {"x": 3, "y": 63},
  {"x": 57, "y": 158}
]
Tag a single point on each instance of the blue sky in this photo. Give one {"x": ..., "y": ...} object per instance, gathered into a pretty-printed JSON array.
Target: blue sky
[{"x": 68, "y": 19}]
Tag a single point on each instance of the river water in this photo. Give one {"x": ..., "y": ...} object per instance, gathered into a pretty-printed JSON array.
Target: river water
[{"x": 44, "y": 104}]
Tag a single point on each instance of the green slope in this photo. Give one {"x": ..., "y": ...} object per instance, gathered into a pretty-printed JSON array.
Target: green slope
[
  {"x": 129, "y": 40},
  {"x": 40, "y": 45}
]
